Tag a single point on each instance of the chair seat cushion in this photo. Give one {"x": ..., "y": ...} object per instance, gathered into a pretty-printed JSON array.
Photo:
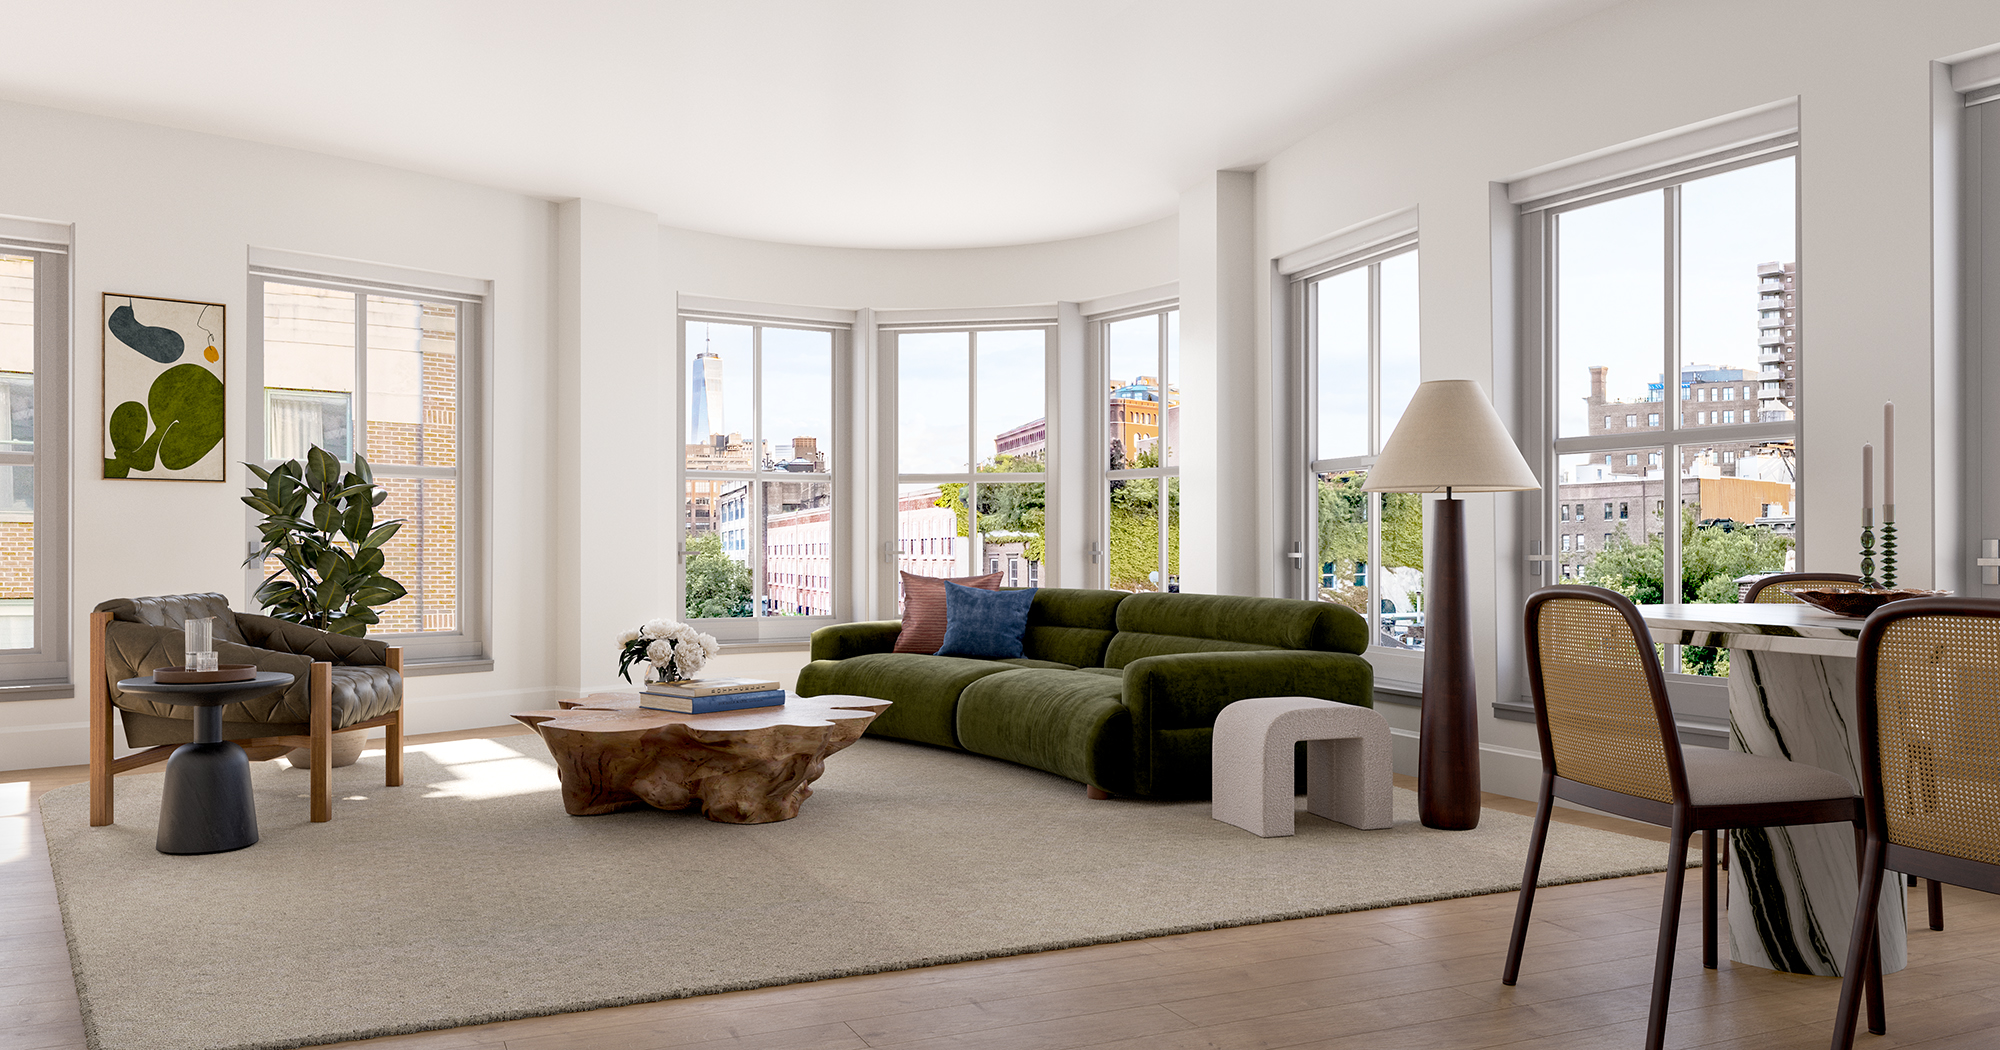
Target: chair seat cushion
[{"x": 1731, "y": 778}]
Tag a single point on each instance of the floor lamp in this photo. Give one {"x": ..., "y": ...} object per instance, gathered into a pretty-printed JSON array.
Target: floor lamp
[{"x": 1449, "y": 439}]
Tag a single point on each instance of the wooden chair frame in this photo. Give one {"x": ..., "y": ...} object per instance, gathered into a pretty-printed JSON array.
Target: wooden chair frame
[
  {"x": 1681, "y": 817},
  {"x": 319, "y": 742},
  {"x": 1879, "y": 855}
]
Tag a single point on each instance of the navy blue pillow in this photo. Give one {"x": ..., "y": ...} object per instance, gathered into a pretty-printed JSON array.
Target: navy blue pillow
[{"x": 987, "y": 624}]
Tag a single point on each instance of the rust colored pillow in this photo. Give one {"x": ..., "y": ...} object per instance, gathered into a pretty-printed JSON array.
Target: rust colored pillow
[{"x": 923, "y": 609}]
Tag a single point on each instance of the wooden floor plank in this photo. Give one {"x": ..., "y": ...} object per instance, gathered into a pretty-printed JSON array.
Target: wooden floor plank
[{"x": 1408, "y": 978}]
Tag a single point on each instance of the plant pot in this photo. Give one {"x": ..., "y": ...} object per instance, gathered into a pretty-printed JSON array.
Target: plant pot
[{"x": 347, "y": 748}]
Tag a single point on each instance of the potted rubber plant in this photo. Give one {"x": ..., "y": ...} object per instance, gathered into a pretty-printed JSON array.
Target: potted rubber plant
[{"x": 319, "y": 523}]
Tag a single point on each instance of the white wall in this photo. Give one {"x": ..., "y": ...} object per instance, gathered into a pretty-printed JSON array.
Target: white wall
[
  {"x": 1861, "y": 73},
  {"x": 169, "y": 213}
]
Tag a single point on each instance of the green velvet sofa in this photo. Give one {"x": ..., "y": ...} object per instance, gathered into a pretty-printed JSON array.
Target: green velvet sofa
[{"x": 1117, "y": 691}]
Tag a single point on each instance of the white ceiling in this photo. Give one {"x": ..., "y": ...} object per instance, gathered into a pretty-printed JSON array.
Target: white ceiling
[{"x": 866, "y": 123}]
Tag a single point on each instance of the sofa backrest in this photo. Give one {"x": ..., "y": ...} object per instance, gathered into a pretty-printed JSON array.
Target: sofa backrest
[
  {"x": 1071, "y": 626},
  {"x": 1159, "y": 624},
  {"x": 173, "y": 610}
]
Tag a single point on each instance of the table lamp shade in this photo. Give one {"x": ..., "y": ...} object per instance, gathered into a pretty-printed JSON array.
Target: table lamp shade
[{"x": 1450, "y": 437}]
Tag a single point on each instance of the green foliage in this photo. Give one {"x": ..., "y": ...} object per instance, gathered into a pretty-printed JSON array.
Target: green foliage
[
  {"x": 717, "y": 585},
  {"x": 1009, "y": 511},
  {"x": 1135, "y": 528},
  {"x": 185, "y": 408},
  {"x": 319, "y": 523},
  {"x": 1343, "y": 534},
  {"x": 1711, "y": 561}
]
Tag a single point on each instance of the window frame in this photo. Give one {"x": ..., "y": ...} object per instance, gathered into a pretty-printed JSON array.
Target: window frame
[
  {"x": 974, "y": 559},
  {"x": 1099, "y": 343},
  {"x": 468, "y": 647},
  {"x": 1406, "y": 662},
  {"x": 43, "y": 671},
  {"x": 1700, "y": 702},
  {"x": 759, "y": 629}
]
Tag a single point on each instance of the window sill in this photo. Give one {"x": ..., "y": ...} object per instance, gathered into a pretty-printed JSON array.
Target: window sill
[
  {"x": 1697, "y": 730},
  {"x": 55, "y": 690},
  {"x": 425, "y": 668},
  {"x": 780, "y": 645},
  {"x": 1406, "y": 693}
]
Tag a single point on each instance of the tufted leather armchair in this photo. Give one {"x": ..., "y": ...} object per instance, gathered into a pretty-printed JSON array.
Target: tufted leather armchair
[{"x": 339, "y": 683}]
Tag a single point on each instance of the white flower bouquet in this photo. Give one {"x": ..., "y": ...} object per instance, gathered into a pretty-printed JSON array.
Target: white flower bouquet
[{"x": 670, "y": 650}]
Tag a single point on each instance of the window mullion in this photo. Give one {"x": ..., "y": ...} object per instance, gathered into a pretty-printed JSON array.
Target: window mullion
[
  {"x": 1670, "y": 472},
  {"x": 759, "y": 535},
  {"x": 357, "y": 440}
]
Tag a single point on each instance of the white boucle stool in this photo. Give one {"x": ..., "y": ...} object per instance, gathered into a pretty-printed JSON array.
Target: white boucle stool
[{"x": 1348, "y": 768}]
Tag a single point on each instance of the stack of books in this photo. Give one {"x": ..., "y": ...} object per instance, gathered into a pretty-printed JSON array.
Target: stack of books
[{"x": 703, "y": 696}]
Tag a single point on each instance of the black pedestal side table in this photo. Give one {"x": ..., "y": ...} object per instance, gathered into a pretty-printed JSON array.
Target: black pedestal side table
[{"x": 206, "y": 805}]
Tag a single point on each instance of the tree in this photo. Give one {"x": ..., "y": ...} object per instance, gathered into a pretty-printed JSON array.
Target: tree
[
  {"x": 717, "y": 585},
  {"x": 1711, "y": 561},
  {"x": 1009, "y": 511}
]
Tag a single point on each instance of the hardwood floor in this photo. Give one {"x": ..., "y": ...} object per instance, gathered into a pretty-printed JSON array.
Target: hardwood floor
[{"x": 1408, "y": 978}]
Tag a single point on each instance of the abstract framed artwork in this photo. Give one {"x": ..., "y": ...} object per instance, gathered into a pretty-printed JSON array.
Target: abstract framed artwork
[{"x": 163, "y": 391}]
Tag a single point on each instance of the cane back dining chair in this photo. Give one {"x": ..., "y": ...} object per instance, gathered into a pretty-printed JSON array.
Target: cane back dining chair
[
  {"x": 339, "y": 684},
  {"x": 1609, "y": 742},
  {"x": 1783, "y": 589},
  {"x": 1927, "y": 703}
]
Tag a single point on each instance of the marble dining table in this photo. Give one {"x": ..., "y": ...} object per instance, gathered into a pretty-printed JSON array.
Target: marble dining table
[{"x": 1792, "y": 890}]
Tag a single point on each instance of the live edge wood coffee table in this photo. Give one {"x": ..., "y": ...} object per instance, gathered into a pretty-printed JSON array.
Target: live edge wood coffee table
[{"x": 744, "y": 767}]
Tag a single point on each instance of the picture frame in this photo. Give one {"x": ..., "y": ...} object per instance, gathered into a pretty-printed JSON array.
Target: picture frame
[{"x": 165, "y": 400}]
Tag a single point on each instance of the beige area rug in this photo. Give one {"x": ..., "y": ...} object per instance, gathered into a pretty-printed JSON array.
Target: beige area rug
[{"x": 468, "y": 896}]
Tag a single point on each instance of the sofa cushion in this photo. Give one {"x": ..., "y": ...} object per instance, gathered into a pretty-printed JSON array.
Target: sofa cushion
[
  {"x": 923, "y": 609},
  {"x": 1161, "y": 624},
  {"x": 923, "y": 690},
  {"x": 1071, "y": 626},
  {"x": 1068, "y": 723},
  {"x": 985, "y": 625}
]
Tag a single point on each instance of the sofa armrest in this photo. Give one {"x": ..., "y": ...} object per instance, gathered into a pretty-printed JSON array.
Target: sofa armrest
[
  {"x": 1187, "y": 690},
  {"x": 134, "y": 650},
  {"x": 843, "y": 640},
  {"x": 1174, "y": 699},
  {"x": 283, "y": 636}
]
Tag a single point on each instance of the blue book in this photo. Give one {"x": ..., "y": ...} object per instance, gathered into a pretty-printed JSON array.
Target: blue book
[{"x": 707, "y": 705}]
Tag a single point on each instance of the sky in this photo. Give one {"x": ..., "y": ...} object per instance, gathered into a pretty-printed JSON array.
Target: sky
[{"x": 1611, "y": 288}]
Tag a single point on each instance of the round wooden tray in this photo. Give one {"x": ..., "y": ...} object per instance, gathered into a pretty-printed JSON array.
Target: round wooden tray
[
  {"x": 222, "y": 673},
  {"x": 1860, "y": 603}
]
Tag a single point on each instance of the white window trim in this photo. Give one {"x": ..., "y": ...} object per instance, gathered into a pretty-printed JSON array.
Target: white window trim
[
  {"x": 786, "y": 632},
  {"x": 467, "y": 649},
  {"x": 1711, "y": 147},
  {"x": 1364, "y": 245},
  {"x": 890, "y": 324},
  {"x": 1099, "y": 315},
  {"x": 43, "y": 671}
]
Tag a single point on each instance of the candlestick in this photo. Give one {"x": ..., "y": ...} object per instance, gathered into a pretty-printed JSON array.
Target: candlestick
[
  {"x": 1888, "y": 458},
  {"x": 1868, "y": 580},
  {"x": 1888, "y": 546},
  {"x": 1868, "y": 483}
]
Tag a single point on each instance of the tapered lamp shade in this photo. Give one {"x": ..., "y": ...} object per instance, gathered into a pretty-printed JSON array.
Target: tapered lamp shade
[
  {"x": 1450, "y": 437},
  {"x": 1450, "y": 440}
]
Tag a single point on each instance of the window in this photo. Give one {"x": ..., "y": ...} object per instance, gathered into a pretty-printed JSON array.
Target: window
[
  {"x": 34, "y": 463},
  {"x": 1622, "y": 514},
  {"x": 1579, "y": 512},
  {"x": 386, "y": 372},
  {"x": 761, "y": 444},
  {"x": 1652, "y": 419},
  {"x": 1565, "y": 542},
  {"x": 1141, "y": 450},
  {"x": 1363, "y": 366},
  {"x": 1565, "y": 512},
  {"x": 1653, "y": 282},
  {"x": 1631, "y": 421},
  {"x": 972, "y": 446},
  {"x": 1607, "y": 512}
]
